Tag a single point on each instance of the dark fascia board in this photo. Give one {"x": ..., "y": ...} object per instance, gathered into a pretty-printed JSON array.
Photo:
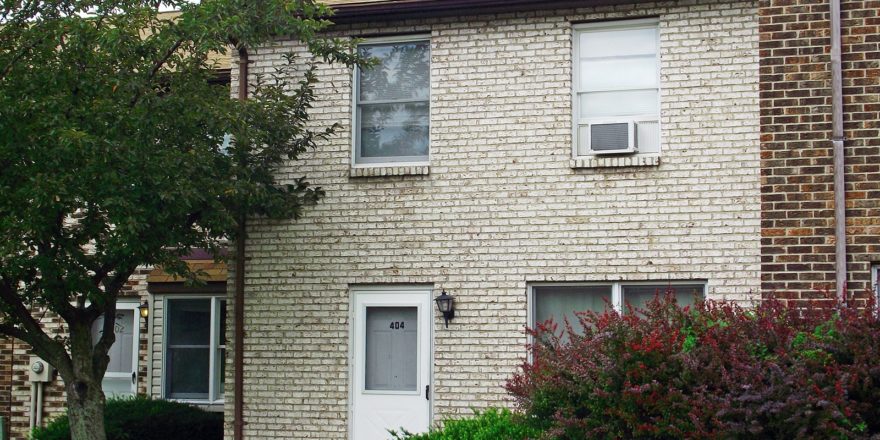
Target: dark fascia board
[
  {"x": 178, "y": 287},
  {"x": 402, "y": 9}
]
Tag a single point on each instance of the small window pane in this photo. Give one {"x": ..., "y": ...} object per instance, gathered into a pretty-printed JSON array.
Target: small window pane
[
  {"x": 619, "y": 74},
  {"x": 618, "y": 42},
  {"x": 189, "y": 322},
  {"x": 188, "y": 372},
  {"x": 611, "y": 104},
  {"x": 394, "y": 130},
  {"x": 391, "y": 349},
  {"x": 639, "y": 295},
  {"x": 561, "y": 302},
  {"x": 402, "y": 73}
]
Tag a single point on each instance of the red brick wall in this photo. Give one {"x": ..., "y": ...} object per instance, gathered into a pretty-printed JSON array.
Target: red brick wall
[
  {"x": 797, "y": 190},
  {"x": 5, "y": 378}
]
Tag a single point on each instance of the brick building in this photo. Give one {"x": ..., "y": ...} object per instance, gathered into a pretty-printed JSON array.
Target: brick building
[
  {"x": 476, "y": 161},
  {"x": 466, "y": 166},
  {"x": 797, "y": 232}
]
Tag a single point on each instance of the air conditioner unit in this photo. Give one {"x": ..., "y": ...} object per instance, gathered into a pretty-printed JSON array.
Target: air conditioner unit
[{"x": 613, "y": 137}]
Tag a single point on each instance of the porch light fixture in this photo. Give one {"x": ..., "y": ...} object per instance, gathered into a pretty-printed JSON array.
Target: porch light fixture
[
  {"x": 445, "y": 303},
  {"x": 144, "y": 310}
]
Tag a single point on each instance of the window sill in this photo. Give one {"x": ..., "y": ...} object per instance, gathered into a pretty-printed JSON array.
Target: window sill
[
  {"x": 615, "y": 161},
  {"x": 391, "y": 170},
  {"x": 215, "y": 406}
]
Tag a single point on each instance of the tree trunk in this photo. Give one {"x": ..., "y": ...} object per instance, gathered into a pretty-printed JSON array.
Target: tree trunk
[
  {"x": 85, "y": 409},
  {"x": 85, "y": 398}
]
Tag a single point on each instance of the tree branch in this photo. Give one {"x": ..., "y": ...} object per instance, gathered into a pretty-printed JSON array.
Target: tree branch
[
  {"x": 157, "y": 66},
  {"x": 15, "y": 59},
  {"x": 31, "y": 331}
]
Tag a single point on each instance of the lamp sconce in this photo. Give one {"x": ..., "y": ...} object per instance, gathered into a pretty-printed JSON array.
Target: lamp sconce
[
  {"x": 446, "y": 305},
  {"x": 144, "y": 311}
]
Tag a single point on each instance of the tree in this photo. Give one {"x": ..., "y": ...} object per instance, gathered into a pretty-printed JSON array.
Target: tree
[{"x": 115, "y": 153}]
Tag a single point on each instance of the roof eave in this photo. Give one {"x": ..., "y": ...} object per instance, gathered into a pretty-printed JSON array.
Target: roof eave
[{"x": 403, "y": 9}]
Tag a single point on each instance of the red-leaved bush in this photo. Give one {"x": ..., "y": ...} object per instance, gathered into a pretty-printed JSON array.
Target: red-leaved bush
[{"x": 711, "y": 370}]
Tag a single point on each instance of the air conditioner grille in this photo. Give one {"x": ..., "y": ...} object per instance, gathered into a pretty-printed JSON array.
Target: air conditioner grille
[{"x": 605, "y": 137}]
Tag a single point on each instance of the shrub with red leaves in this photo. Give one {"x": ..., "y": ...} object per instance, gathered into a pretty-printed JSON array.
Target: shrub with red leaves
[{"x": 712, "y": 370}]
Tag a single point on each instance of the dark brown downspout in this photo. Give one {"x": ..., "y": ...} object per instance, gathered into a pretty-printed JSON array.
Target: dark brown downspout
[
  {"x": 837, "y": 139},
  {"x": 238, "y": 325}
]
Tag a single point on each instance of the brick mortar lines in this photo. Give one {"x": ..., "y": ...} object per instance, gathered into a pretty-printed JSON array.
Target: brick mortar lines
[
  {"x": 797, "y": 189},
  {"x": 502, "y": 206}
]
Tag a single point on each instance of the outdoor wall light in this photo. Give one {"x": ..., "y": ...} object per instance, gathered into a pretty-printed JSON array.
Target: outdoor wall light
[
  {"x": 144, "y": 310},
  {"x": 445, "y": 303}
]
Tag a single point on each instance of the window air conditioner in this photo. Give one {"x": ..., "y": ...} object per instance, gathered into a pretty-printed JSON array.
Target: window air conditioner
[{"x": 613, "y": 137}]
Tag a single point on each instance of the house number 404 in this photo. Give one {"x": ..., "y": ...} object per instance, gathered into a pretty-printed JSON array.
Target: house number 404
[{"x": 396, "y": 325}]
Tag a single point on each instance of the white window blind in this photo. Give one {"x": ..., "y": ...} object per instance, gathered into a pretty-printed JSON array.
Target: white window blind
[{"x": 617, "y": 81}]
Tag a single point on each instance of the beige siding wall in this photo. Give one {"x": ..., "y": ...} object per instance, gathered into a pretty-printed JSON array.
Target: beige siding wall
[{"x": 502, "y": 205}]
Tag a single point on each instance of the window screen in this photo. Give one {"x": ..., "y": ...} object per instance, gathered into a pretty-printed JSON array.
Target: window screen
[
  {"x": 391, "y": 349},
  {"x": 121, "y": 351},
  {"x": 392, "y": 108},
  {"x": 189, "y": 348}
]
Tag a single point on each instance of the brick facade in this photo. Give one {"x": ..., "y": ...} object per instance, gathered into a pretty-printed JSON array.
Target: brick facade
[
  {"x": 502, "y": 205},
  {"x": 18, "y": 396},
  {"x": 797, "y": 244},
  {"x": 6, "y": 347}
]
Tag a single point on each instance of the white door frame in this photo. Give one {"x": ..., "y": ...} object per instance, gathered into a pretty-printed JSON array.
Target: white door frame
[
  {"x": 426, "y": 290},
  {"x": 135, "y": 342}
]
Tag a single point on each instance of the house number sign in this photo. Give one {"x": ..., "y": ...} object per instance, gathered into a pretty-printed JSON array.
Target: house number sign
[{"x": 397, "y": 325}]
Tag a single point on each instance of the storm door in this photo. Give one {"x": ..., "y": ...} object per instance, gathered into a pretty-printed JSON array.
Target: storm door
[
  {"x": 121, "y": 376},
  {"x": 391, "y": 386}
]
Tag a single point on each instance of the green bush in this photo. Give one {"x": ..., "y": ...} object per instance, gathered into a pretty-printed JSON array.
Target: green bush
[
  {"x": 142, "y": 418},
  {"x": 492, "y": 424}
]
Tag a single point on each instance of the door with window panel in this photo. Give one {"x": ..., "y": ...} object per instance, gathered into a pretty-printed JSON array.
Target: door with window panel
[
  {"x": 195, "y": 349},
  {"x": 391, "y": 341},
  {"x": 120, "y": 379}
]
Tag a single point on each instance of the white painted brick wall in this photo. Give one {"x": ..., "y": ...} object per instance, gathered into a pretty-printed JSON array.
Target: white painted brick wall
[{"x": 502, "y": 206}]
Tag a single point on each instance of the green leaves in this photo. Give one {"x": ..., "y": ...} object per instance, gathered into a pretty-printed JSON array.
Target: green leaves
[{"x": 111, "y": 125}]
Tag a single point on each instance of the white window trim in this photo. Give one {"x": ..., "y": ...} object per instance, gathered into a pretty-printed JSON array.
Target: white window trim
[
  {"x": 616, "y": 291},
  {"x": 576, "y": 120},
  {"x": 215, "y": 339},
  {"x": 875, "y": 278},
  {"x": 355, "y": 93}
]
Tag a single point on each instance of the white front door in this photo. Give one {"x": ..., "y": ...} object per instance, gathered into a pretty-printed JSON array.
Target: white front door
[
  {"x": 391, "y": 377},
  {"x": 121, "y": 376}
]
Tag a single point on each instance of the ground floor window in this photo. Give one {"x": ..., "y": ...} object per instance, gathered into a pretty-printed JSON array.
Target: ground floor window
[
  {"x": 194, "y": 348},
  {"x": 875, "y": 279},
  {"x": 561, "y": 301}
]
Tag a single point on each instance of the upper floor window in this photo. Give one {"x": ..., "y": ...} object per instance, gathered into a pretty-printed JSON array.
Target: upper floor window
[
  {"x": 392, "y": 102},
  {"x": 616, "y": 88}
]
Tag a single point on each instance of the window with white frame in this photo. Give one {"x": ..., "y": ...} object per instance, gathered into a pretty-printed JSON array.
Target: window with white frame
[
  {"x": 195, "y": 348},
  {"x": 560, "y": 301},
  {"x": 616, "y": 88},
  {"x": 392, "y": 102},
  {"x": 875, "y": 279}
]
